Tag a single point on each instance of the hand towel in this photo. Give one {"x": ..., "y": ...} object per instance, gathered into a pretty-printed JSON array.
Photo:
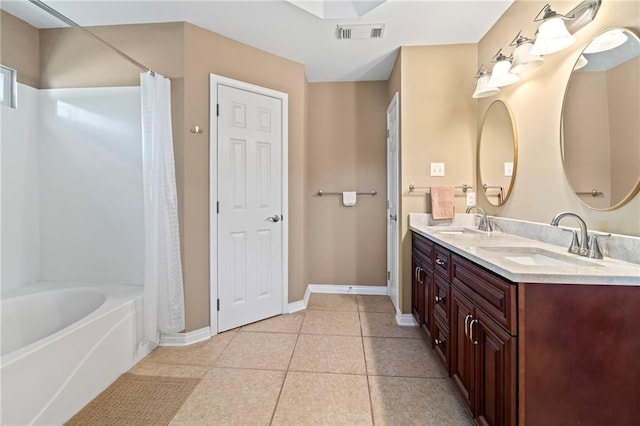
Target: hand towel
[
  {"x": 442, "y": 202},
  {"x": 349, "y": 198}
]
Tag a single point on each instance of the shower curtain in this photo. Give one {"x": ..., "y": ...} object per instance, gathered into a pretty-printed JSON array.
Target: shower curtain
[{"x": 163, "y": 290}]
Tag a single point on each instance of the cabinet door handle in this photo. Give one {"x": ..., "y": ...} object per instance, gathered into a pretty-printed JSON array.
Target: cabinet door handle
[
  {"x": 439, "y": 299},
  {"x": 466, "y": 325},
  {"x": 471, "y": 324},
  {"x": 438, "y": 342},
  {"x": 415, "y": 274},
  {"x": 440, "y": 262}
]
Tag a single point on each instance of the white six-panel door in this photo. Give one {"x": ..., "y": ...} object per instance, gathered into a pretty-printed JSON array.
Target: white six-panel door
[{"x": 249, "y": 219}]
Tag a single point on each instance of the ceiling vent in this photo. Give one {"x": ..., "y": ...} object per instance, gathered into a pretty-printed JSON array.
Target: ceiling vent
[{"x": 359, "y": 31}]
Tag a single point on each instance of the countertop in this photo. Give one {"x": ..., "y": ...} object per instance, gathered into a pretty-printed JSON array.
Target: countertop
[{"x": 477, "y": 247}]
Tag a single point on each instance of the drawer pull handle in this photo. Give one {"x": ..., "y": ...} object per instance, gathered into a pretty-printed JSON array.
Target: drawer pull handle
[
  {"x": 440, "y": 262},
  {"x": 466, "y": 324},
  {"x": 471, "y": 324}
]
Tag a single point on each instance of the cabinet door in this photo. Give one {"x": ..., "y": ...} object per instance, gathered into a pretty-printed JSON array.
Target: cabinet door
[
  {"x": 417, "y": 299},
  {"x": 426, "y": 314},
  {"x": 462, "y": 312},
  {"x": 494, "y": 371}
]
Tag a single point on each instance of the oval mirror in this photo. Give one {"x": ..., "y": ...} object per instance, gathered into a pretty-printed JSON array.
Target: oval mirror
[
  {"x": 497, "y": 153},
  {"x": 600, "y": 130}
]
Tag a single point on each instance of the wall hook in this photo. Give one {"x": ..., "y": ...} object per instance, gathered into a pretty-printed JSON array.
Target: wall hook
[{"x": 197, "y": 130}]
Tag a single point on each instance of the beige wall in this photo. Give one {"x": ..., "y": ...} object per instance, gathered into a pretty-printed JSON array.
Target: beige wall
[
  {"x": 438, "y": 124},
  {"x": 587, "y": 158},
  {"x": 347, "y": 151},
  {"x": 19, "y": 49},
  {"x": 207, "y": 52},
  {"x": 541, "y": 189},
  {"x": 623, "y": 88}
]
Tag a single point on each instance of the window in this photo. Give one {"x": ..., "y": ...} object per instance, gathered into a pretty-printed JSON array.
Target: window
[{"x": 8, "y": 87}]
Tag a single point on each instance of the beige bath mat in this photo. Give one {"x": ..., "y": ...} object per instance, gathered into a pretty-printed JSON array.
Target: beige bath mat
[{"x": 137, "y": 400}]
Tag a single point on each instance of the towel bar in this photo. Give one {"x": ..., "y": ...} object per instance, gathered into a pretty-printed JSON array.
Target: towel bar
[{"x": 320, "y": 193}]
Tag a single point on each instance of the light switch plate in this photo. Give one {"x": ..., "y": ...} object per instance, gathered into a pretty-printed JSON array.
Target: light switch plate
[
  {"x": 437, "y": 169},
  {"x": 508, "y": 169},
  {"x": 471, "y": 198}
]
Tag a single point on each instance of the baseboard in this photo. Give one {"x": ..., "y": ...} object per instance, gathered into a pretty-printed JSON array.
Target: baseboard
[
  {"x": 185, "y": 339},
  {"x": 335, "y": 289},
  {"x": 348, "y": 289},
  {"x": 405, "y": 320}
]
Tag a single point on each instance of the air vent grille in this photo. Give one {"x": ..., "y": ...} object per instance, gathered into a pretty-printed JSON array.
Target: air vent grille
[{"x": 360, "y": 31}]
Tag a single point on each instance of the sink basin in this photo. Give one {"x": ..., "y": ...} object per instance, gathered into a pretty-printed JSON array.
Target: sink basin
[
  {"x": 460, "y": 231},
  {"x": 533, "y": 256}
]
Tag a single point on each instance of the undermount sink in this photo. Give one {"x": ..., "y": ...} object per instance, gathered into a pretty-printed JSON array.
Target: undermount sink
[
  {"x": 533, "y": 256},
  {"x": 460, "y": 231}
]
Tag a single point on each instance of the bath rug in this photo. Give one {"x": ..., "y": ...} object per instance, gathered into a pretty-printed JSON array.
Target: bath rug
[{"x": 137, "y": 400}]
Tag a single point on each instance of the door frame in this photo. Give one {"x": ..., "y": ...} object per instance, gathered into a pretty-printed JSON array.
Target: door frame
[
  {"x": 395, "y": 103},
  {"x": 214, "y": 81}
]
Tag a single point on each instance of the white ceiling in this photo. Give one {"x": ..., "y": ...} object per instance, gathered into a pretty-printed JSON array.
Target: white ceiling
[{"x": 280, "y": 27}]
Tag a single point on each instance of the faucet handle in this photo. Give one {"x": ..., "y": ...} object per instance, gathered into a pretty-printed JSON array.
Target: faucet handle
[
  {"x": 575, "y": 245},
  {"x": 594, "y": 249}
]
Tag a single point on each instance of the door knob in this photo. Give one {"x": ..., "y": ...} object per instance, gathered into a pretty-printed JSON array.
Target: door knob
[
  {"x": 393, "y": 217},
  {"x": 275, "y": 218}
]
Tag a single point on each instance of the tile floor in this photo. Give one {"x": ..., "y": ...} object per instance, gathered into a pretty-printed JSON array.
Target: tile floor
[{"x": 341, "y": 361}]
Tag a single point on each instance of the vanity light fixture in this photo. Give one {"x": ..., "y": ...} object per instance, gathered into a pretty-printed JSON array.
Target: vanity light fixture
[
  {"x": 606, "y": 41},
  {"x": 552, "y": 35},
  {"x": 500, "y": 74},
  {"x": 483, "y": 88},
  {"x": 523, "y": 60}
]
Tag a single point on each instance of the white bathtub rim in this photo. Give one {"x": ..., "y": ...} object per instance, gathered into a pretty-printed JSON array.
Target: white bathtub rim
[{"x": 116, "y": 295}]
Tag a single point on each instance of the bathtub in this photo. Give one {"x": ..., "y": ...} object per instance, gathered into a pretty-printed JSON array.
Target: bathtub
[{"x": 63, "y": 344}]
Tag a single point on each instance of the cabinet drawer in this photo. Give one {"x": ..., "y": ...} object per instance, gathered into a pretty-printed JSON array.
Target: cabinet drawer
[
  {"x": 442, "y": 262},
  {"x": 496, "y": 296},
  {"x": 423, "y": 248},
  {"x": 441, "y": 297}
]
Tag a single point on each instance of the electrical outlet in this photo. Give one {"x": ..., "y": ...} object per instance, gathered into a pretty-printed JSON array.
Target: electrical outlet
[
  {"x": 437, "y": 169},
  {"x": 508, "y": 169}
]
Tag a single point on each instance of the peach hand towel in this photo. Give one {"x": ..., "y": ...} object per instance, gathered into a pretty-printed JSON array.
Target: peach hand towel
[{"x": 442, "y": 202}]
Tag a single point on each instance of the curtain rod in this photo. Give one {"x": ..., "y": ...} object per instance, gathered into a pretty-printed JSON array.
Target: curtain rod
[{"x": 72, "y": 23}]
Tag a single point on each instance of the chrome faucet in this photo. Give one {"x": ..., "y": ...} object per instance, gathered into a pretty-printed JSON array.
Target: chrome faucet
[
  {"x": 484, "y": 224},
  {"x": 583, "y": 249}
]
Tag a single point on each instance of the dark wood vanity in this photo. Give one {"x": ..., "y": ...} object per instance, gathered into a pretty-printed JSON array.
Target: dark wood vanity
[{"x": 529, "y": 353}]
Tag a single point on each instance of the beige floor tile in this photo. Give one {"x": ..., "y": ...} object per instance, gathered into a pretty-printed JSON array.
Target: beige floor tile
[
  {"x": 333, "y": 302},
  {"x": 331, "y": 322},
  {"x": 414, "y": 401},
  {"x": 148, "y": 368},
  {"x": 328, "y": 354},
  {"x": 232, "y": 397},
  {"x": 375, "y": 304},
  {"x": 270, "y": 351},
  {"x": 287, "y": 323},
  {"x": 203, "y": 353},
  {"x": 378, "y": 324},
  {"x": 401, "y": 357},
  {"x": 323, "y": 399}
]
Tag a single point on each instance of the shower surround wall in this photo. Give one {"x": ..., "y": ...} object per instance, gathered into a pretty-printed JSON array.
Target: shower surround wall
[{"x": 72, "y": 207}]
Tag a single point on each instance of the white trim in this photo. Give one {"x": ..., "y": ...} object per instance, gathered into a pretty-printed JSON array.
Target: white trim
[
  {"x": 300, "y": 305},
  {"x": 348, "y": 289},
  {"x": 395, "y": 103},
  {"x": 214, "y": 81},
  {"x": 185, "y": 339},
  {"x": 406, "y": 320}
]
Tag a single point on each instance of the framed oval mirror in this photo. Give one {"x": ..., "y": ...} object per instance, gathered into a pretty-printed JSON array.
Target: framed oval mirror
[
  {"x": 497, "y": 153},
  {"x": 600, "y": 126}
]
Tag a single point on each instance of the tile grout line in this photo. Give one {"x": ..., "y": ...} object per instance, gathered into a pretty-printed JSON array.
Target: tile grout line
[
  {"x": 366, "y": 367},
  {"x": 286, "y": 374}
]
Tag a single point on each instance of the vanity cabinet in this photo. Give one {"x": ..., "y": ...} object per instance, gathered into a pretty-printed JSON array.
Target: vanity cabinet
[
  {"x": 422, "y": 284},
  {"x": 531, "y": 353}
]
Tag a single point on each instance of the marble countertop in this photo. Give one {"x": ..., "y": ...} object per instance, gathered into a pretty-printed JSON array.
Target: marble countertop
[{"x": 499, "y": 252}]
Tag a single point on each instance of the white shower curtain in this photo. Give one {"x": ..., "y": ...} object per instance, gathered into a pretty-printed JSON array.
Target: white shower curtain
[{"x": 163, "y": 290}]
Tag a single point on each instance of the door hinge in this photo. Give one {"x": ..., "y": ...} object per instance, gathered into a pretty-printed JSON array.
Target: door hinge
[
  {"x": 388, "y": 275},
  {"x": 217, "y": 110},
  {"x": 217, "y": 207},
  {"x": 218, "y": 304}
]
